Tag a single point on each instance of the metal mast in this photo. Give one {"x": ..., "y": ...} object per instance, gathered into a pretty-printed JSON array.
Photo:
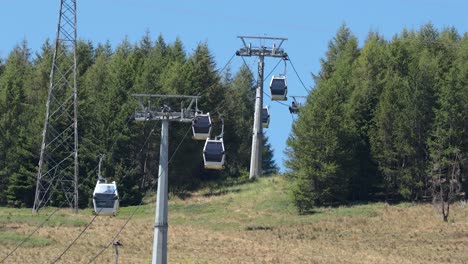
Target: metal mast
[
  {"x": 164, "y": 113},
  {"x": 58, "y": 164},
  {"x": 261, "y": 52}
]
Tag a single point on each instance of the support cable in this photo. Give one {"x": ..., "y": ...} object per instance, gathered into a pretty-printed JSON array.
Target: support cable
[
  {"x": 294, "y": 68},
  {"x": 222, "y": 69},
  {"x": 112, "y": 146},
  {"x": 97, "y": 213},
  {"x": 29, "y": 236},
  {"x": 180, "y": 144},
  {"x": 172, "y": 156},
  {"x": 251, "y": 73},
  {"x": 138, "y": 206},
  {"x": 276, "y": 66},
  {"x": 76, "y": 238}
]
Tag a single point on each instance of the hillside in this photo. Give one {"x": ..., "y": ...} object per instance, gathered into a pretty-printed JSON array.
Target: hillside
[{"x": 246, "y": 223}]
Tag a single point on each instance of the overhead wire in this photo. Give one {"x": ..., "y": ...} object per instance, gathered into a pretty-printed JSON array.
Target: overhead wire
[
  {"x": 97, "y": 213},
  {"x": 110, "y": 150},
  {"x": 189, "y": 130},
  {"x": 76, "y": 238},
  {"x": 112, "y": 146},
  {"x": 294, "y": 68},
  {"x": 265, "y": 93},
  {"x": 172, "y": 156},
  {"x": 225, "y": 65},
  {"x": 136, "y": 208},
  {"x": 29, "y": 236},
  {"x": 64, "y": 202},
  {"x": 117, "y": 234},
  {"x": 152, "y": 130},
  {"x": 265, "y": 78}
]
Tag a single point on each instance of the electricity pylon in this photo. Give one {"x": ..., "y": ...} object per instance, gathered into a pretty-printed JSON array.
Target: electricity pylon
[
  {"x": 261, "y": 52},
  {"x": 58, "y": 163}
]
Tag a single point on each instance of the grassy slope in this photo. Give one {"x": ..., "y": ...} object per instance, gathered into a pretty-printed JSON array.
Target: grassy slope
[{"x": 249, "y": 223}]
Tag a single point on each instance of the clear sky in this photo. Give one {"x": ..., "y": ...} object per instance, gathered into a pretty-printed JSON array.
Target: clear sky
[{"x": 309, "y": 26}]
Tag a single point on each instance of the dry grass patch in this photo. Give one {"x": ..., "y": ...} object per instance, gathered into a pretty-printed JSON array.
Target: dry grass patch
[{"x": 256, "y": 224}]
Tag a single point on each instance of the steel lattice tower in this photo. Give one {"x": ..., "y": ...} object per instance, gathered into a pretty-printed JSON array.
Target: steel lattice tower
[{"x": 58, "y": 164}]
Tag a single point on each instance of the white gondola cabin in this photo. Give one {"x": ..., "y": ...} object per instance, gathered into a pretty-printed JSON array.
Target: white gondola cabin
[
  {"x": 213, "y": 154},
  {"x": 265, "y": 117},
  {"x": 105, "y": 198},
  {"x": 201, "y": 127},
  {"x": 278, "y": 88}
]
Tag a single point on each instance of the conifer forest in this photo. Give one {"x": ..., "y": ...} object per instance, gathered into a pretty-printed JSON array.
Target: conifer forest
[{"x": 385, "y": 120}]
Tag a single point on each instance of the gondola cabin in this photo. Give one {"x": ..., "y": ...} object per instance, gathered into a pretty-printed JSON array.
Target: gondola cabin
[
  {"x": 105, "y": 198},
  {"x": 278, "y": 88},
  {"x": 201, "y": 127},
  {"x": 265, "y": 117},
  {"x": 294, "y": 108},
  {"x": 213, "y": 154}
]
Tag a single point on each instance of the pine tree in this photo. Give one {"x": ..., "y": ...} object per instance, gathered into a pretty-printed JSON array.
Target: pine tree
[
  {"x": 17, "y": 172},
  {"x": 268, "y": 163},
  {"x": 448, "y": 144},
  {"x": 320, "y": 148},
  {"x": 239, "y": 111},
  {"x": 369, "y": 81}
]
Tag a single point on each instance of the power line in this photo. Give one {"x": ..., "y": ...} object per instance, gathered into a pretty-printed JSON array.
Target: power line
[
  {"x": 172, "y": 156},
  {"x": 34, "y": 231},
  {"x": 265, "y": 93},
  {"x": 136, "y": 208},
  {"x": 97, "y": 213},
  {"x": 294, "y": 68},
  {"x": 76, "y": 238},
  {"x": 86, "y": 179},
  {"x": 175, "y": 151},
  {"x": 29, "y": 236},
  {"x": 118, "y": 233},
  {"x": 63, "y": 202},
  {"x": 222, "y": 69},
  {"x": 264, "y": 79},
  {"x": 251, "y": 73}
]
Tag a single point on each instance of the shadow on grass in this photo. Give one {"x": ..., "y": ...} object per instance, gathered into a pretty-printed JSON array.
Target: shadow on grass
[
  {"x": 216, "y": 187},
  {"x": 212, "y": 193},
  {"x": 182, "y": 194},
  {"x": 308, "y": 212},
  {"x": 259, "y": 228}
]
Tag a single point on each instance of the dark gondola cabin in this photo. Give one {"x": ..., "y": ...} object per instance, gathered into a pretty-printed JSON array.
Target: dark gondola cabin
[
  {"x": 294, "y": 108},
  {"x": 278, "y": 88},
  {"x": 105, "y": 198},
  {"x": 265, "y": 117},
  {"x": 213, "y": 154},
  {"x": 201, "y": 127}
]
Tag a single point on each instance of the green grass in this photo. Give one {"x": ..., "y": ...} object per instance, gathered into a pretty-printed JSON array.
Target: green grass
[
  {"x": 7, "y": 238},
  {"x": 262, "y": 204},
  {"x": 24, "y": 216}
]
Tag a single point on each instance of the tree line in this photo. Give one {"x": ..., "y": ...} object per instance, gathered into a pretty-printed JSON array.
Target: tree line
[
  {"x": 107, "y": 77},
  {"x": 384, "y": 121}
]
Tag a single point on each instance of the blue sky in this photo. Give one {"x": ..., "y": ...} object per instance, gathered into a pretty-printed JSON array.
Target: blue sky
[{"x": 308, "y": 25}]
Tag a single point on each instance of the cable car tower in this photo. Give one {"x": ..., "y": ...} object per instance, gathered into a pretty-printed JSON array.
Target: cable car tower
[
  {"x": 164, "y": 113},
  {"x": 261, "y": 52},
  {"x": 58, "y": 162}
]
